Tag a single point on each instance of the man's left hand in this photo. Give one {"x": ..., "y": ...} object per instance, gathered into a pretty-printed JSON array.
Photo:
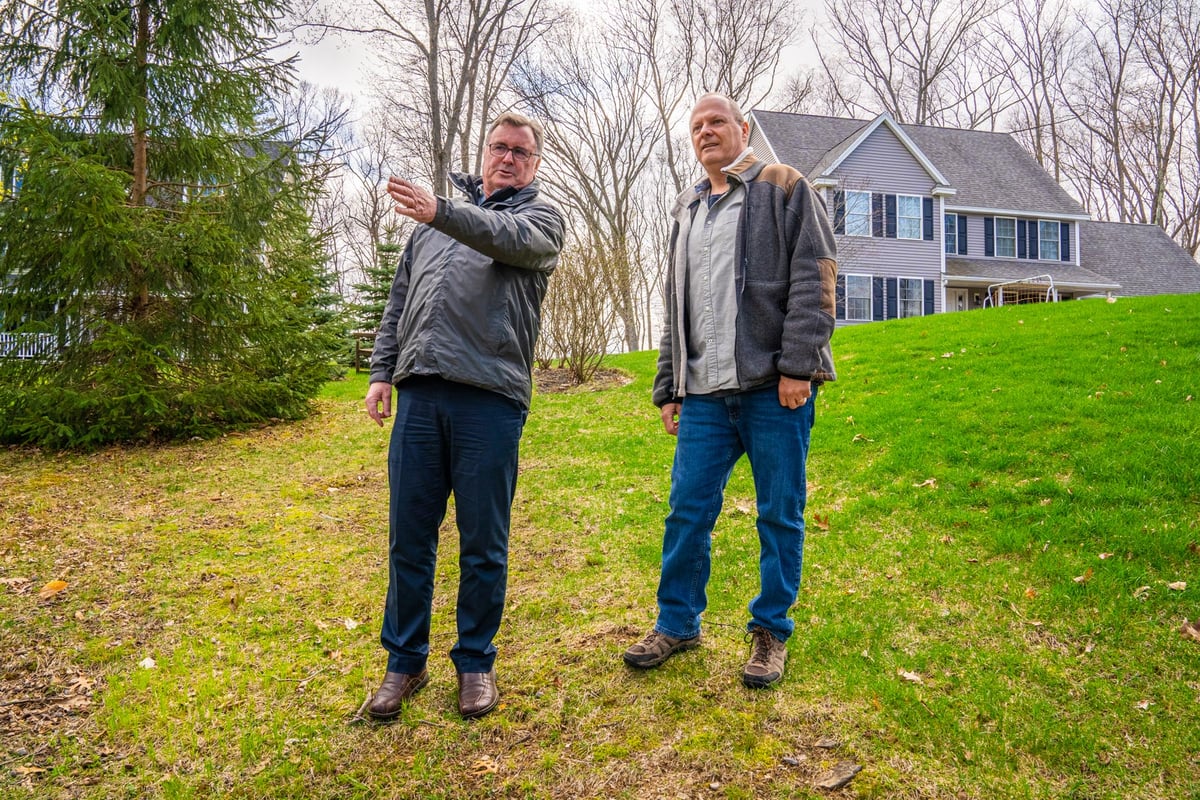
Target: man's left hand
[
  {"x": 794, "y": 393},
  {"x": 411, "y": 200}
]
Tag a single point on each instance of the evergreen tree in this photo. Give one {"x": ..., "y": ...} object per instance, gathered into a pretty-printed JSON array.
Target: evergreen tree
[
  {"x": 159, "y": 231},
  {"x": 373, "y": 292}
]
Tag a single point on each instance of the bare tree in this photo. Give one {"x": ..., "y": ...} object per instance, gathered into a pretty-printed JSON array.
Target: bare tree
[
  {"x": 309, "y": 107},
  {"x": 1170, "y": 50},
  {"x": 1033, "y": 43},
  {"x": 1098, "y": 97},
  {"x": 598, "y": 147},
  {"x": 1128, "y": 141},
  {"x": 650, "y": 37},
  {"x": 733, "y": 46},
  {"x": 367, "y": 218},
  {"x": 445, "y": 64},
  {"x": 577, "y": 317},
  {"x": 909, "y": 57},
  {"x": 800, "y": 92}
]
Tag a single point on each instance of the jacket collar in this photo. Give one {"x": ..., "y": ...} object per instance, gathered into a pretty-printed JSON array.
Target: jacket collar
[
  {"x": 472, "y": 187},
  {"x": 743, "y": 170}
]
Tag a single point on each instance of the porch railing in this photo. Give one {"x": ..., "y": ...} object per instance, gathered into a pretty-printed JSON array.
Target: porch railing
[{"x": 27, "y": 345}]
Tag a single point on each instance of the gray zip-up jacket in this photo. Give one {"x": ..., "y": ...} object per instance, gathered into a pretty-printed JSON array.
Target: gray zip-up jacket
[
  {"x": 466, "y": 301},
  {"x": 786, "y": 276}
]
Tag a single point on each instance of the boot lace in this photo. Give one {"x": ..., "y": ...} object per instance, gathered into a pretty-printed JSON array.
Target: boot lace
[{"x": 761, "y": 641}]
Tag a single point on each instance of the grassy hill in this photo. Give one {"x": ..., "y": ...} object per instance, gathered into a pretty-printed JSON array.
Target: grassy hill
[{"x": 1004, "y": 510}]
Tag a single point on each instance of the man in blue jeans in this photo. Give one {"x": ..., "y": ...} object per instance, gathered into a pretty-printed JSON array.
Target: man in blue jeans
[
  {"x": 456, "y": 341},
  {"x": 749, "y": 314}
]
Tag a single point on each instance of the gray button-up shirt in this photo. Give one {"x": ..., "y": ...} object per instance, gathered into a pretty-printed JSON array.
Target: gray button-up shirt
[{"x": 711, "y": 295}]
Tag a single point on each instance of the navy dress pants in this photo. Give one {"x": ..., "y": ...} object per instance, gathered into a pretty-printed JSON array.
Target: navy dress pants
[{"x": 449, "y": 438}]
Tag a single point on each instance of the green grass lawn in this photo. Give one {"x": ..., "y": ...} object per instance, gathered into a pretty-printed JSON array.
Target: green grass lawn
[{"x": 1004, "y": 510}]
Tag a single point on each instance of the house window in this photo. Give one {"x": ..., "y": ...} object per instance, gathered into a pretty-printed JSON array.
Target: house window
[
  {"x": 950, "y": 233},
  {"x": 1006, "y": 237},
  {"x": 908, "y": 216},
  {"x": 1048, "y": 241},
  {"x": 10, "y": 182},
  {"x": 912, "y": 300},
  {"x": 858, "y": 213},
  {"x": 858, "y": 297}
]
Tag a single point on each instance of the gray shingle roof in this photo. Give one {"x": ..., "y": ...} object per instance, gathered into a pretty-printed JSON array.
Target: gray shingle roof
[
  {"x": 995, "y": 270},
  {"x": 988, "y": 170},
  {"x": 1142, "y": 258}
]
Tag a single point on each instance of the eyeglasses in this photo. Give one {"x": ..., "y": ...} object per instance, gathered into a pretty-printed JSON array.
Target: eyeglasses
[{"x": 518, "y": 153}]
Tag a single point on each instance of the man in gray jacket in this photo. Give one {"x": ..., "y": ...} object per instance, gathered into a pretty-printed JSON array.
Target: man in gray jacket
[
  {"x": 456, "y": 342},
  {"x": 749, "y": 314}
]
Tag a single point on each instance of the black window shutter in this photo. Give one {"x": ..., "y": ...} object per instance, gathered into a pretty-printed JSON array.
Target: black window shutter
[
  {"x": 989, "y": 236},
  {"x": 927, "y": 208},
  {"x": 892, "y": 293},
  {"x": 889, "y": 210},
  {"x": 1034, "y": 232},
  {"x": 839, "y": 212},
  {"x": 1064, "y": 241},
  {"x": 877, "y": 215},
  {"x": 962, "y": 234},
  {"x": 1020, "y": 238},
  {"x": 840, "y": 305},
  {"x": 928, "y": 287},
  {"x": 877, "y": 298}
]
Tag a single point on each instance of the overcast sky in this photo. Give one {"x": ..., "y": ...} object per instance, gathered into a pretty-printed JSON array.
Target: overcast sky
[{"x": 333, "y": 62}]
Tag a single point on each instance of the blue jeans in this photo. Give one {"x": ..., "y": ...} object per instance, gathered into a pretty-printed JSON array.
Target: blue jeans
[
  {"x": 449, "y": 437},
  {"x": 714, "y": 432}
]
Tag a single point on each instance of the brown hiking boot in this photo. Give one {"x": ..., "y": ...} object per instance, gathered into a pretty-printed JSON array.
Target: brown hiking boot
[
  {"x": 767, "y": 657},
  {"x": 657, "y": 648}
]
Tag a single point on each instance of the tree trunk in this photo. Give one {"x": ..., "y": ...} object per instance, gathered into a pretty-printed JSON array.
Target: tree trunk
[{"x": 140, "y": 289}]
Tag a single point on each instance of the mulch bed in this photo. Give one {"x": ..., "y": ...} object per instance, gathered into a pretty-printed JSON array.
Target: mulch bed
[{"x": 554, "y": 381}]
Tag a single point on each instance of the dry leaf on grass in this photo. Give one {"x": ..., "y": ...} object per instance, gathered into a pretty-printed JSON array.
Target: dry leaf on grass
[
  {"x": 1085, "y": 577},
  {"x": 1191, "y": 630},
  {"x": 910, "y": 676},
  {"x": 1141, "y": 593},
  {"x": 485, "y": 766},
  {"x": 52, "y": 588},
  {"x": 1177, "y": 586},
  {"x": 28, "y": 770},
  {"x": 930, "y": 482}
]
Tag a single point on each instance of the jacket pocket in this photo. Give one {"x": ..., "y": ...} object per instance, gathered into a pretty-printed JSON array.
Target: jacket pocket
[{"x": 764, "y": 306}]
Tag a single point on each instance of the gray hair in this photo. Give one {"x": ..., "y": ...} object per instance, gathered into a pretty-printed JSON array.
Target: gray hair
[{"x": 515, "y": 120}]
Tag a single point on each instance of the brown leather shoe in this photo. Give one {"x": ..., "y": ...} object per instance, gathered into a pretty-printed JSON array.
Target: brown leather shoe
[
  {"x": 397, "y": 687},
  {"x": 477, "y": 693}
]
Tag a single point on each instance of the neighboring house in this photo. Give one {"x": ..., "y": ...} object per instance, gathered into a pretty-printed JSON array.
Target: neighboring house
[{"x": 942, "y": 219}]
